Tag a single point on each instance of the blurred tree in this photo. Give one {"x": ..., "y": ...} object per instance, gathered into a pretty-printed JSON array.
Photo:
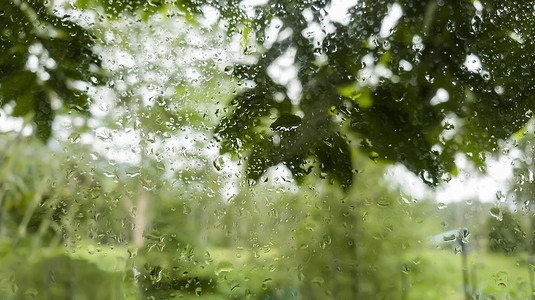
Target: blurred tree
[
  {"x": 43, "y": 58},
  {"x": 443, "y": 79}
]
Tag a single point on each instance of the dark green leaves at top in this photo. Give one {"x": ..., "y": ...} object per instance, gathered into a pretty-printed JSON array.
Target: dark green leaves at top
[
  {"x": 304, "y": 145},
  {"x": 116, "y": 8},
  {"x": 427, "y": 52},
  {"x": 42, "y": 56}
]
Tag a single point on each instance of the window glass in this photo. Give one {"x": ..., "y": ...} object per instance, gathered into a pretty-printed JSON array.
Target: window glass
[{"x": 268, "y": 149}]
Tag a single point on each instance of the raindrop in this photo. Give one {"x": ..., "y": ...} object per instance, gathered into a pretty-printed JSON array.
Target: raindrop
[
  {"x": 218, "y": 163},
  {"x": 153, "y": 3},
  {"x": 497, "y": 213},
  {"x": 383, "y": 203},
  {"x": 373, "y": 156},
  {"x": 32, "y": 293},
  {"x": 500, "y": 196},
  {"x": 463, "y": 235},
  {"x": 286, "y": 122},
  {"x": 186, "y": 210},
  {"x": 229, "y": 70},
  {"x": 449, "y": 238},
  {"x": 224, "y": 266}
]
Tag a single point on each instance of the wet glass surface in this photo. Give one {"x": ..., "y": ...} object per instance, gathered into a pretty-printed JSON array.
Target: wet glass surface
[{"x": 162, "y": 149}]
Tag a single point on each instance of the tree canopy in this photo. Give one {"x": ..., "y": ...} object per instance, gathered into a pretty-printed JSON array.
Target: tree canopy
[
  {"x": 445, "y": 78},
  {"x": 43, "y": 56},
  {"x": 428, "y": 106}
]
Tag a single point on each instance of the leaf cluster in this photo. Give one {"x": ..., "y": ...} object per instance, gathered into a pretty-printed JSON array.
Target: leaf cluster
[
  {"x": 44, "y": 57},
  {"x": 396, "y": 118}
]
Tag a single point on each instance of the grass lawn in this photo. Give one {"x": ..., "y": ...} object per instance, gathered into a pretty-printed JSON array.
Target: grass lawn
[{"x": 491, "y": 276}]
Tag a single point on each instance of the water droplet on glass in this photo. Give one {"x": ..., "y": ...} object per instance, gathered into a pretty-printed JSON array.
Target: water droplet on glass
[
  {"x": 500, "y": 196},
  {"x": 373, "y": 156},
  {"x": 229, "y": 70},
  {"x": 218, "y": 163},
  {"x": 224, "y": 266},
  {"x": 496, "y": 212}
]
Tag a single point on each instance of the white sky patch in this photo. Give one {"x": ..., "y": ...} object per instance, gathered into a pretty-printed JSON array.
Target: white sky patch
[
  {"x": 294, "y": 89},
  {"x": 390, "y": 21},
  {"x": 417, "y": 43},
  {"x": 279, "y": 176},
  {"x": 192, "y": 74},
  {"x": 272, "y": 32},
  {"x": 371, "y": 74},
  {"x": 469, "y": 184},
  {"x": 181, "y": 152},
  {"x": 124, "y": 59},
  {"x": 478, "y": 5},
  {"x": 249, "y": 6},
  {"x": 441, "y": 96},
  {"x": 210, "y": 14},
  {"x": 405, "y": 65},
  {"x": 122, "y": 147},
  {"x": 226, "y": 169},
  {"x": 315, "y": 33},
  {"x": 9, "y": 123},
  {"x": 32, "y": 63},
  {"x": 308, "y": 15},
  {"x": 253, "y": 3},
  {"x": 338, "y": 11},
  {"x": 284, "y": 34},
  {"x": 473, "y": 63},
  {"x": 282, "y": 70},
  {"x": 451, "y": 124},
  {"x": 409, "y": 183}
]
